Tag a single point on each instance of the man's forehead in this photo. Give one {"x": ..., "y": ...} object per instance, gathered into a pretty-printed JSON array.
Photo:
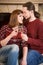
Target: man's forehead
[{"x": 24, "y": 8}]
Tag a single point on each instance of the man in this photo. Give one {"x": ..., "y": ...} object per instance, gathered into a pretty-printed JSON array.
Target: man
[{"x": 34, "y": 35}]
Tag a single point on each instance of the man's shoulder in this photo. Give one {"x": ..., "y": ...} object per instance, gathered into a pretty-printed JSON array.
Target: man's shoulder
[{"x": 39, "y": 22}]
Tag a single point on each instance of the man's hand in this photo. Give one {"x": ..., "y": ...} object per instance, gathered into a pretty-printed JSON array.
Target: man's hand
[
  {"x": 23, "y": 62},
  {"x": 24, "y": 37}
]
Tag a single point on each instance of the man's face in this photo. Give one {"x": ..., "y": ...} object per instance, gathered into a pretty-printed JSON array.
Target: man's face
[{"x": 26, "y": 12}]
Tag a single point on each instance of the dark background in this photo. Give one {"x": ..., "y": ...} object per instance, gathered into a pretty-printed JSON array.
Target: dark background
[{"x": 4, "y": 18}]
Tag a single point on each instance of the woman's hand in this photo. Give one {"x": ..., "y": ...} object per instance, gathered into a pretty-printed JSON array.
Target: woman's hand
[
  {"x": 24, "y": 37},
  {"x": 14, "y": 32},
  {"x": 6, "y": 40}
]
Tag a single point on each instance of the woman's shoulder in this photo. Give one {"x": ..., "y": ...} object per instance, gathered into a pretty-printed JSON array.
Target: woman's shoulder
[{"x": 5, "y": 27}]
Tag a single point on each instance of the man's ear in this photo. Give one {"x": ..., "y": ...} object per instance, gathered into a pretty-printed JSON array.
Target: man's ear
[{"x": 32, "y": 11}]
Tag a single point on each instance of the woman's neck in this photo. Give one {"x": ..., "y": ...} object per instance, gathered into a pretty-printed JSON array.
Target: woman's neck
[{"x": 16, "y": 27}]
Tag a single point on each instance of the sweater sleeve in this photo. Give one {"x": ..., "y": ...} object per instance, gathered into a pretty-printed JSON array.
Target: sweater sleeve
[
  {"x": 2, "y": 32},
  {"x": 36, "y": 42},
  {"x": 39, "y": 40},
  {"x": 24, "y": 43}
]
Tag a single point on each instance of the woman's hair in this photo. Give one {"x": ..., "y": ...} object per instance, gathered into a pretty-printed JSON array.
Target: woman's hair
[
  {"x": 30, "y": 6},
  {"x": 14, "y": 18}
]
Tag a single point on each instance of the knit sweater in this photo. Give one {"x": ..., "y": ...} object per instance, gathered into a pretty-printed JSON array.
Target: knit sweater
[
  {"x": 35, "y": 34},
  {"x": 6, "y": 30}
]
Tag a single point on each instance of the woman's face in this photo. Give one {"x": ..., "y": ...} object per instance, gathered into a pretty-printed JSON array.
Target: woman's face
[{"x": 20, "y": 18}]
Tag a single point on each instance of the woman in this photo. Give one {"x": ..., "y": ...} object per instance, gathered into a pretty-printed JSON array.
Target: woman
[
  {"x": 34, "y": 35},
  {"x": 10, "y": 39}
]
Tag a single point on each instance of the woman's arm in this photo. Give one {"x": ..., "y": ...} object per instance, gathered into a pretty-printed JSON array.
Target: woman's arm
[{"x": 7, "y": 39}]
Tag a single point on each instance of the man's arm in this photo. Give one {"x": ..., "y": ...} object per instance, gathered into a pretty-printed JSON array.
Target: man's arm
[{"x": 24, "y": 59}]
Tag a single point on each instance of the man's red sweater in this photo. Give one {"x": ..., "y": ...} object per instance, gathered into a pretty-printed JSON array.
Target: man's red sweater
[{"x": 35, "y": 34}]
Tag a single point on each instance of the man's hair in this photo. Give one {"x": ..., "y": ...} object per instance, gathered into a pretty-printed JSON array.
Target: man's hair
[{"x": 30, "y": 6}]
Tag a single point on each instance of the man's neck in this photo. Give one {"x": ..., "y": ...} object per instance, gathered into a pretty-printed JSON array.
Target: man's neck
[{"x": 32, "y": 18}]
